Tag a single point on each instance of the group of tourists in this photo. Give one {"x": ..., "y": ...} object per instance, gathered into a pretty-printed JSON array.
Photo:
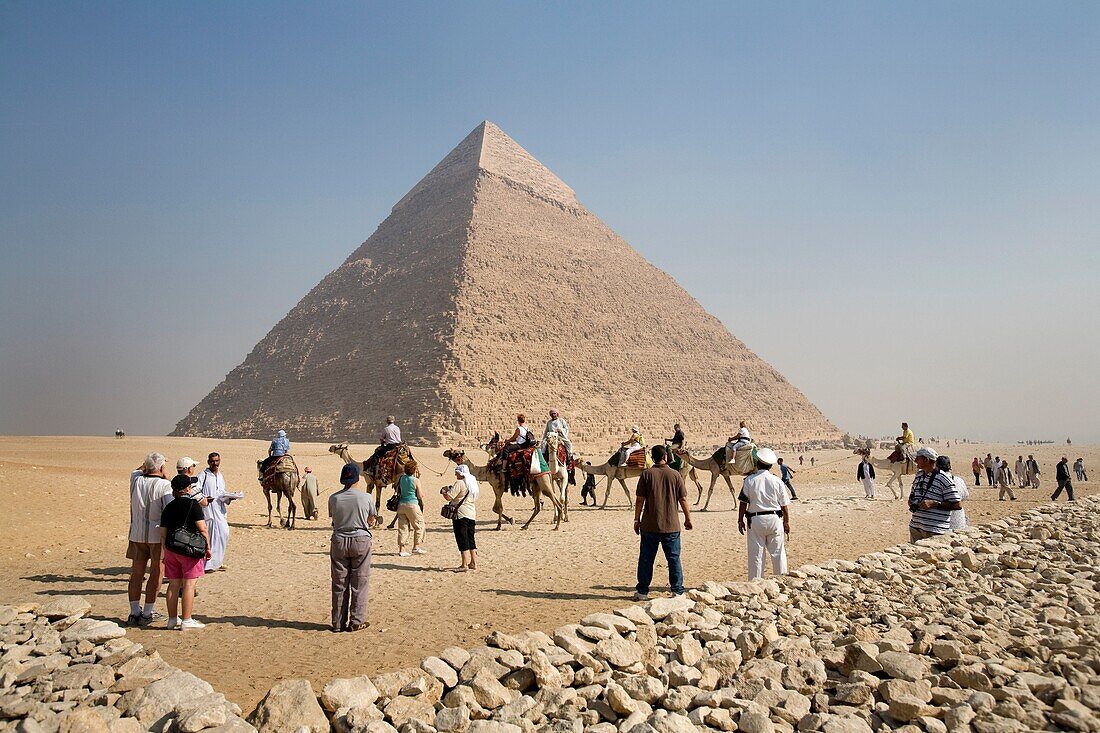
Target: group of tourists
[{"x": 179, "y": 531}]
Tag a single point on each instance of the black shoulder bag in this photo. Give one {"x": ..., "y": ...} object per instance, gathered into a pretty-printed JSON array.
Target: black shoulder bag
[{"x": 185, "y": 541}]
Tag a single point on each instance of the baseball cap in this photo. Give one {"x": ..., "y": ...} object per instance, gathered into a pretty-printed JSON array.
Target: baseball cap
[
  {"x": 185, "y": 463},
  {"x": 181, "y": 482},
  {"x": 349, "y": 474}
]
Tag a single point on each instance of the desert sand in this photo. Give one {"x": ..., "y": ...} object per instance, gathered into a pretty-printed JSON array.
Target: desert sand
[{"x": 66, "y": 513}]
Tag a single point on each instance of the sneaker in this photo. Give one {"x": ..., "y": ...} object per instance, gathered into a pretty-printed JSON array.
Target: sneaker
[
  {"x": 404, "y": 554},
  {"x": 133, "y": 620},
  {"x": 190, "y": 623},
  {"x": 420, "y": 551},
  {"x": 641, "y": 596},
  {"x": 149, "y": 620},
  {"x": 173, "y": 623}
]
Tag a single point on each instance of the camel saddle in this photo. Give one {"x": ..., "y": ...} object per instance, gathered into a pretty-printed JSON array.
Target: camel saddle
[
  {"x": 675, "y": 461},
  {"x": 563, "y": 457},
  {"x": 636, "y": 459},
  {"x": 282, "y": 464},
  {"x": 390, "y": 464}
]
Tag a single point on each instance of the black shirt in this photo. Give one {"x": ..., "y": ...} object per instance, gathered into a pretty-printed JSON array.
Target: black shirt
[{"x": 183, "y": 510}]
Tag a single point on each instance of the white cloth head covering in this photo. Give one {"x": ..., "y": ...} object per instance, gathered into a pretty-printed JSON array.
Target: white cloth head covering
[
  {"x": 635, "y": 428},
  {"x": 463, "y": 472}
]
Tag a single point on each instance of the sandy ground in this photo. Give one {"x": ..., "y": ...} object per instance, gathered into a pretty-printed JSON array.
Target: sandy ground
[{"x": 65, "y": 519}]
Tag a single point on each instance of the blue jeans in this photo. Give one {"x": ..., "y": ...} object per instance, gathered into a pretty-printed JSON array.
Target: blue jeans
[{"x": 670, "y": 543}]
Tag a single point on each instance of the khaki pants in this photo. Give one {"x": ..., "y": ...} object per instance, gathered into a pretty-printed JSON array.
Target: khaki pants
[
  {"x": 919, "y": 534},
  {"x": 1004, "y": 491},
  {"x": 409, "y": 519},
  {"x": 349, "y": 561}
]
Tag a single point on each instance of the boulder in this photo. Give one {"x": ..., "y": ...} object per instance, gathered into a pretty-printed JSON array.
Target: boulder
[
  {"x": 660, "y": 608},
  {"x": 161, "y": 697},
  {"x": 441, "y": 670},
  {"x": 619, "y": 652},
  {"x": 289, "y": 705},
  {"x": 402, "y": 709},
  {"x": 348, "y": 693},
  {"x": 92, "y": 630},
  {"x": 63, "y": 607}
]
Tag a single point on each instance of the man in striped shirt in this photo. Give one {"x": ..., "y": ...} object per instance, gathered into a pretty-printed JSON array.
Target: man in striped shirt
[{"x": 932, "y": 498}]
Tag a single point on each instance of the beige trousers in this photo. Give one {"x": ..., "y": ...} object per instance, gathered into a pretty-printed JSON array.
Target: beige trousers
[{"x": 410, "y": 520}]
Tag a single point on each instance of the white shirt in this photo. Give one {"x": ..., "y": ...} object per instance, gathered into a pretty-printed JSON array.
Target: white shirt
[
  {"x": 557, "y": 425},
  {"x": 764, "y": 492},
  {"x": 522, "y": 438},
  {"x": 958, "y": 516},
  {"x": 148, "y": 497},
  {"x": 391, "y": 434}
]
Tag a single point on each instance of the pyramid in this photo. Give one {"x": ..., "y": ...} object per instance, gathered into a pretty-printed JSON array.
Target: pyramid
[{"x": 490, "y": 290}]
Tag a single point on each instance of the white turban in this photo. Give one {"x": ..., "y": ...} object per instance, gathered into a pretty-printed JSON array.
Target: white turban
[{"x": 463, "y": 472}]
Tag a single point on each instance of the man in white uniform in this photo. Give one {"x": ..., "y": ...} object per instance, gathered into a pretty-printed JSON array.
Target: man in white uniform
[{"x": 763, "y": 503}]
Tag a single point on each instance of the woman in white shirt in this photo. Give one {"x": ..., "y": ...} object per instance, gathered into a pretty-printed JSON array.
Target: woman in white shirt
[
  {"x": 957, "y": 519},
  {"x": 463, "y": 496}
]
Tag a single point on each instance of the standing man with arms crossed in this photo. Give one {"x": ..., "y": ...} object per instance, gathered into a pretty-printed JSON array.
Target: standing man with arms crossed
[
  {"x": 660, "y": 490},
  {"x": 763, "y": 502}
]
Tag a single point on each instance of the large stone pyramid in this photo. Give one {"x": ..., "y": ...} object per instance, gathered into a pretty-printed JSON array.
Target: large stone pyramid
[{"x": 490, "y": 290}]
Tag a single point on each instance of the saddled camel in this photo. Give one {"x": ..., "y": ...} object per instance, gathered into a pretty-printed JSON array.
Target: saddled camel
[
  {"x": 897, "y": 470},
  {"x": 282, "y": 483},
  {"x": 620, "y": 474},
  {"x": 539, "y": 486},
  {"x": 716, "y": 468},
  {"x": 559, "y": 473},
  {"x": 373, "y": 487}
]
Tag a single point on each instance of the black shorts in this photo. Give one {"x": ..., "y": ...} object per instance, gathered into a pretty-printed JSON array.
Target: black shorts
[{"x": 464, "y": 534}]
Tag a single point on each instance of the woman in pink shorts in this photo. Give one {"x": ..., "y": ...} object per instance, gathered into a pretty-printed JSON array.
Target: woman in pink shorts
[{"x": 182, "y": 571}]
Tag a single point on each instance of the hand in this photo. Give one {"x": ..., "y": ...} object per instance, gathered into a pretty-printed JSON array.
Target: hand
[
  {"x": 927, "y": 504},
  {"x": 637, "y": 526},
  {"x": 741, "y": 527},
  {"x": 787, "y": 529},
  {"x": 208, "y": 553},
  {"x": 687, "y": 524}
]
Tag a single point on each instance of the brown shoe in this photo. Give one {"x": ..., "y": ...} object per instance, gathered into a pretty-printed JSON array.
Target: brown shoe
[{"x": 359, "y": 627}]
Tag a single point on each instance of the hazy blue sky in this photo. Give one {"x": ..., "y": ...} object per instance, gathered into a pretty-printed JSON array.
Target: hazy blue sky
[{"x": 906, "y": 196}]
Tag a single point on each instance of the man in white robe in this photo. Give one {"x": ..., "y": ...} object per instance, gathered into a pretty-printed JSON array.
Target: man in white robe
[{"x": 212, "y": 485}]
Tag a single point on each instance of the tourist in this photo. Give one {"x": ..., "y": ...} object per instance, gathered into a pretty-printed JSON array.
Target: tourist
[
  {"x": 186, "y": 467},
  {"x": 519, "y": 437},
  {"x": 976, "y": 466},
  {"x": 1079, "y": 469},
  {"x": 390, "y": 437},
  {"x": 1021, "y": 472},
  {"x": 463, "y": 497},
  {"x": 211, "y": 486},
  {"x": 656, "y": 521},
  {"x": 812, "y": 459},
  {"x": 800, "y": 460},
  {"x": 676, "y": 442},
  {"x": 150, "y": 492},
  {"x": 310, "y": 494},
  {"x": 737, "y": 442},
  {"x": 353, "y": 513},
  {"x": 932, "y": 498},
  {"x": 182, "y": 571},
  {"x": 958, "y": 516},
  {"x": 762, "y": 512},
  {"x": 785, "y": 475},
  {"x": 557, "y": 424},
  {"x": 631, "y": 444},
  {"x": 410, "y": 512},
  {"x": 1032, "y": 471},
  {"x": 865, "y": 473},
  {"x": 989, "y": 468},
  {"x": 1002, "y": 482},
  {"x": 1061, "y": 475},
  {"x": 279, "y": 447}
]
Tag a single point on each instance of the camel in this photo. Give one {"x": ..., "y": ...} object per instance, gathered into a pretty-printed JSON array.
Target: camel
[
  {"x": 716, "y": 468},
  {"x": 282, "y": 483},
  {"x": 559, "y": 473},
  {"x": 483, "y": 475},
  {"x": 373, "y": 487},
  {"x": 620, "y": 474},
  {"x": 539, "y": 486},
  {"x": 897, "y": 470}
]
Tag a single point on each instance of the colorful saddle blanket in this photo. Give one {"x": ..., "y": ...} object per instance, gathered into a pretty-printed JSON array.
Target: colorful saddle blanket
[
  {"x": 390, "y": 464},
  {"x": 636, "y": 459},
  {"x": 282, "y": 464}
]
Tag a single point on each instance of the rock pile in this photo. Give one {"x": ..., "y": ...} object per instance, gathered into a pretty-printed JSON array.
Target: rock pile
[
  {"x": 992, "y": 630},
  {"x": 62, "y": 672}
]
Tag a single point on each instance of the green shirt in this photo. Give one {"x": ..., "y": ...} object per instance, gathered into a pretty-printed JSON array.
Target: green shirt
[{"x": 407, "y": 488}]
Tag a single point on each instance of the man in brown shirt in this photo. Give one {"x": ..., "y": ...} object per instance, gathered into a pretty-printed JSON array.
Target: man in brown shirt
[{"x": 660, "y": 490}]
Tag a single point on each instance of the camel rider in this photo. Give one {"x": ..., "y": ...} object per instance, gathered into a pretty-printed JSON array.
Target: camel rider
[
  {"x": 557, "y": 424},
  {"x": 631, "y": 444},
  {"x": 676, "y": 442},
  {"x": 389, "y": 438},
  {"x": 739, "y": 441},
  {"x": 520, "y": 437},
  {"x": 906, "y": 443},
  {"x": 279, "y": 447}
]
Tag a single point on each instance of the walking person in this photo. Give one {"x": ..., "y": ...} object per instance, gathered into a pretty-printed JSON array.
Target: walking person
[
  {"x": 211, "y": 485},
  {"x": 463, "y": 497},
  {"x": 989, "y": 468},
  {"x": 410, "y": 512},
  {"x": 1032, "y": 471},
  {"x": 932, "y": 498},
  {"x": 182, "y": 571},
  {"x": 1079, "y": 469},
  {"x": 310, "y": 493},
  {"x": 150, "y": 492},
  {"x": 353, "y": 514},
  {"x": 763, "y": 503},
  {"x": 1061, "y": 474},
  {"x": 1021, "y": 473},
  {"x": 865, "y": 473},
  {"x": 785, "y": 474},
  {"x": 976, "y": 466},
  {"x": 1003, "y": 489},
  {"x": 656, "y": 521}
]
